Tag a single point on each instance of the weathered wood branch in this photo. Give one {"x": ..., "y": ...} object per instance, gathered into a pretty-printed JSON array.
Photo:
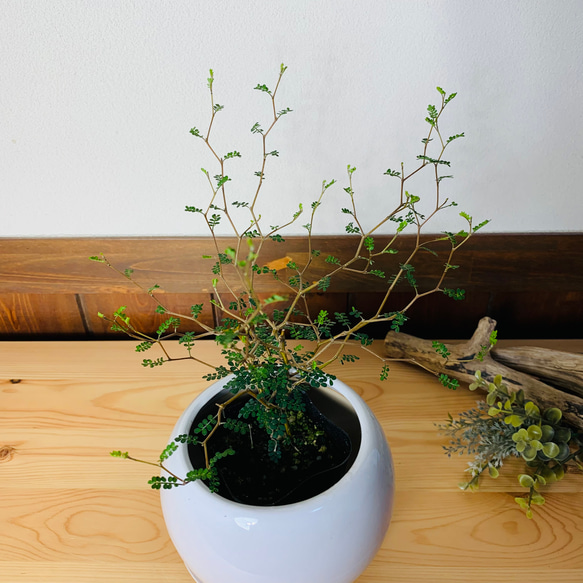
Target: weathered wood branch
[
  {"x": 462, "y": 365},
  {"x": 561, "y": 369}
]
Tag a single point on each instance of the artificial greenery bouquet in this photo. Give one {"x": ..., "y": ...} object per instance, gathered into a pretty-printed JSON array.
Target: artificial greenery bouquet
[
  {"x": 508, "y": 425},
  {"x": 276, "y": 349}
]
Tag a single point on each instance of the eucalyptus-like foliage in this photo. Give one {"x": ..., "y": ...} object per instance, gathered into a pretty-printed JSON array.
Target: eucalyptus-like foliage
[{"x": 508, "y": 425}]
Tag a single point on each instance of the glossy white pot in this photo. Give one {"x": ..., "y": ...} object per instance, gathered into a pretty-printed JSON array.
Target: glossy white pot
[{"x": 329, "y": 538}]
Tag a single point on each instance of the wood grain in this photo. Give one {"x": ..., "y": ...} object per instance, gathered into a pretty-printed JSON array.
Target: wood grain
[
  {"x": 518, "y": 261},
  {"x": 70, "y": 513},
  {"x": 50, "y": 290},
  {"x": 27, "y": 314}
]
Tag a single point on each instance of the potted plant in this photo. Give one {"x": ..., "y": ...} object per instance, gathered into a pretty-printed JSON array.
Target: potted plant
[{"x": 279, "y": 472}]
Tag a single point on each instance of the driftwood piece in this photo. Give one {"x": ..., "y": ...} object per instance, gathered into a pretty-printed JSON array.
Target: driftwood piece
[
  {"x": 561, "y": 369},
  {"x": 462, "y": 365}
]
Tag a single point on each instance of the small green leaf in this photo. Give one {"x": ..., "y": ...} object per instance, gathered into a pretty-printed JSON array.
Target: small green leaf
[
  {"x": 491, "y": 398},
  {"x": 494, "y": 473},
  {"x": 526, "y": 481},
  {"x": 563, "y": 434},
  {"x": 274, "y": 298},
  {"x": 553, "y": 415},
  {"x": 550, "y": 449},
  {"x": 514, "y": 420},
  {"x": 540, "y": 480},
  {"x": 534, "y": 432},
  {"x": 531, "y": 409},
  {"x": 547, "y": 433},
  {"x": 529, "y": 453}
]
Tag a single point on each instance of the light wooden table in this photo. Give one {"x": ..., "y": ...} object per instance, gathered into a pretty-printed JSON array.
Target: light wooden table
[{"x": 71, "y": 513}]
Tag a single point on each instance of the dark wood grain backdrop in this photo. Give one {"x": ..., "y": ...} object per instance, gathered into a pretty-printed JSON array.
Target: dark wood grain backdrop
[{"x": 532, "y": 284}]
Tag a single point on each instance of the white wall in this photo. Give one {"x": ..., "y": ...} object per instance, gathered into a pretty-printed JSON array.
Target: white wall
[{"x": 97, "y": 97}]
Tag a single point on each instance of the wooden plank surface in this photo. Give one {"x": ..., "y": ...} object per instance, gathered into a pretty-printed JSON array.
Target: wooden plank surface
[
  {"x": 502, "y": 261},
  {"x": 49, "y": 290},
  {"x": 70, "y": 513}
]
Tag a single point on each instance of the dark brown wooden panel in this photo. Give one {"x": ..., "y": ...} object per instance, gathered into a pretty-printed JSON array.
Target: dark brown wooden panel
[
  {"x": 433, "y": 317},
  {"x": 520, "y": 262},
  {"x": 26, "y": 315},
  {"x": 541, "y": 314},
  {"x": 531, "y": 283}
]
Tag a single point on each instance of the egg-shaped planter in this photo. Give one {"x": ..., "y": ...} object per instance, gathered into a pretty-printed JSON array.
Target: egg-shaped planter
[{"x": 328, "y": 538}]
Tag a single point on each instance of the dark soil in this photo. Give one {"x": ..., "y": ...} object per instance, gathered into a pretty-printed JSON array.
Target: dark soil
[{"x": 252, "y": 477}]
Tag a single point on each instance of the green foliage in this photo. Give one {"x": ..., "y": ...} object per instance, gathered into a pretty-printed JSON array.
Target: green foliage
[
  {"x": 456, "y": 294},
  {"x": 147, "y": 362},
  {"x": 187, "y": 439},
  {"x": 448, "y": 382},
  {"x": 167, "y": 324},
  {"x": 455, "y": 137},
  {"x": 143, "y": 346},
  {"x": 333, "y": 260},
  {"x": 480, "y": 225},
  {"x": 487, "y": 347},
  {"x": 509, "y": 425},
  {"x": 324, "y": 283},
  {"x": 237, "y": 426},
  {"x": 348, "y": 358},
  {"x": 187, "y": 340},
  {"x": 263, "y": 88},
  {"x": 408, "y": 271},
  {"x": 441, "y": 349},
  {"x": 369, "y": 243},
  {"x": 384, "y": 372},
  {"x": 364, "y": 339},
  {"x": 161, "y": 482},
  {"x": 196, "y": 310},
  {"x": 254, "y": 331},
  {"x": 205, "y": 426},
  {"x": 430, "y": 160},
  {"x": 168, "y": 451},
  {"x": 397, "y": 320}
]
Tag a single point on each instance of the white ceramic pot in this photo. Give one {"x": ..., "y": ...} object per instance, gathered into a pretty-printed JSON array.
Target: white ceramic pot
[{"x": 329, "y": 538}]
